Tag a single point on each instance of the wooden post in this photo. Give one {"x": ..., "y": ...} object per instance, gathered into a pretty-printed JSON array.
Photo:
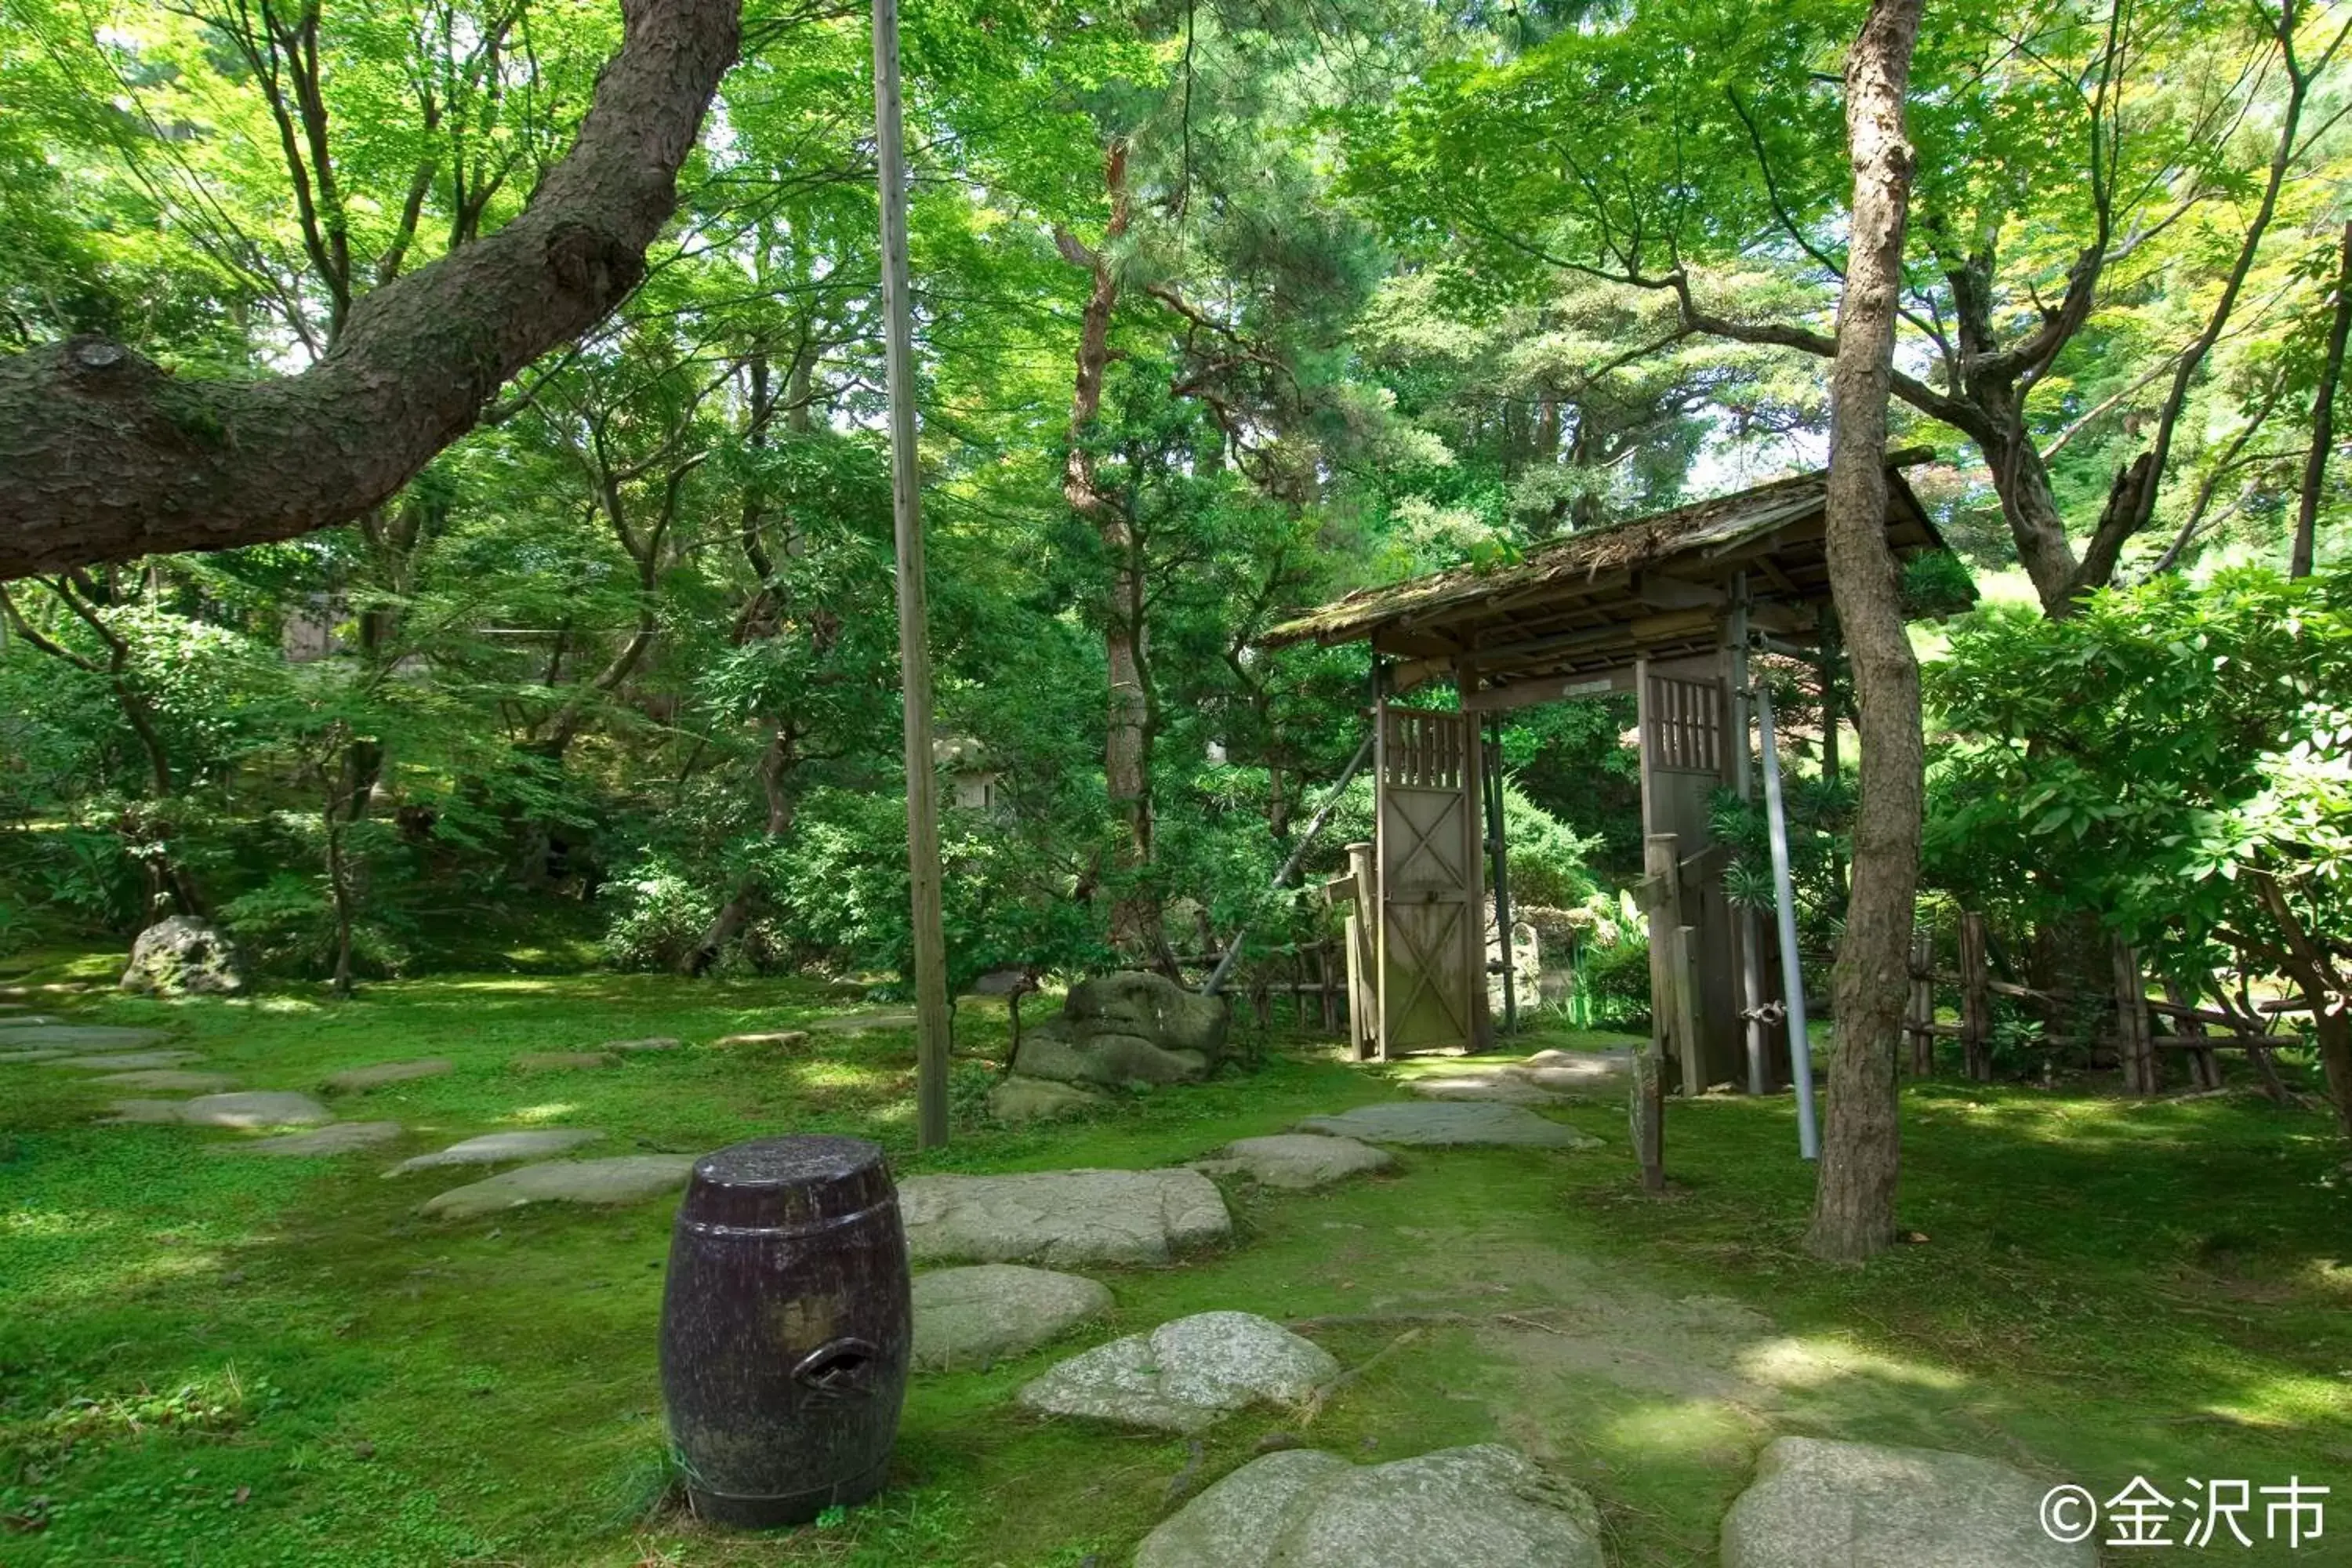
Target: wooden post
[
  {"x": 1976, "y": 1000},
  {"x": 1363, "y": 995},
  {"x": 2204, "y": 1066},
  {"x": 2134, "y": 1043},
  {"x": 1922, "y": 1002},
  {"x": 934, "y": 1024},
  {"x": 1662, "y": 891}
]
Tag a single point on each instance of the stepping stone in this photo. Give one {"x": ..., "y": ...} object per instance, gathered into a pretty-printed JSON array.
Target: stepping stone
[
  {"x": 773, "y": 1039},
  {"x": 1494, "y": 1088},
  {"x": 1597, "y": 1072},
  {"x": 498, "y": 1148},
  {"x": 1061, "y": 1218},
  {"x": 1295, "y": 1160},
  {"x": 1482, "y": 1507},
  {"x": 339, "y": 1138},
  {"x": 28, "y": 1021},
  {"x": 1022, "y": 1099},
  {"x": 564, "y": 1061},
  {"x": 651, "y": 1043},
  {"x": 976, "y": 1317},
  {"x": 83, "y": 1036},
  {"x": 359, "y": 1081},
  {"x": 31, "y": 1058},
  {"x": 171, "y": 1078},
  {"x": 858, "y": 1022},
  {"x": 624, "y": 1180},
  {"x": 124, "y": 1061},
  {"x": 1816, "y": 1503},
  {"x": 251, "y": 1108},
  {"x": 1186, "y": 1375},
  {"x": 1440, "y": 1122}
]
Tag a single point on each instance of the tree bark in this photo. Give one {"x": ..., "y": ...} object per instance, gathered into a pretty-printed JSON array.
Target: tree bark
[
  {"x": 1853, "y": 1206},
  {"x": 1127, "y": 737},
  {"x": 2323, "y": 419},
  {"x": 104, "y": 456}
]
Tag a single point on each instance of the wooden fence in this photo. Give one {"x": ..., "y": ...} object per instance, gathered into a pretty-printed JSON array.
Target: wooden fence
[
  {"x": 2141, "y": 1026},
  {"x": 1312, "y": 976}
]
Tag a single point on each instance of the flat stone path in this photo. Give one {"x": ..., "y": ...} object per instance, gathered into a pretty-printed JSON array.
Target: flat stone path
[
  {"x": 1818, "y": 1502},
  {"x": 976, "y": 1317},
  {"x": 123, "y": 1061},
  {"x": 359, "y": 1081},
  {"x": 1061, "y": 1218},
  {"x": 650, "y": 1043},
  {"x": 563, "y": 1061},
  {"x": 624, "y": 1180},
  {"x": 1444, "y": 1122},
  {"x": 1186, "y": 1375},
  {"x": 170, "y": 1079},
  {"x": 336, "y": 1138},
  {"x": 857, "y": 1022},
  {"x": 248, "y": 1108},
  {"x": 1547, "y": 1077},
  {"x": 1295, "y": 1160},
  {"x": 1480, "y": 1506},
  {"x": 501, "y": 1147},
  {"x": 80, "y": 1036}
]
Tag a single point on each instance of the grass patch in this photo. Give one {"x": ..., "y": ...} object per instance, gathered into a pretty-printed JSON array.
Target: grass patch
[{"x": 233, "y": 1361}]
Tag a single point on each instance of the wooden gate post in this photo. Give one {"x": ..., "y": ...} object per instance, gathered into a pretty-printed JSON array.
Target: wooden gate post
[
  {"x": 1363, "y": 995},
  {"x": 1669, "y": 1005},
  {"x": 2135, "y": 1044},
  {"x": 1976, "y": 1000}
]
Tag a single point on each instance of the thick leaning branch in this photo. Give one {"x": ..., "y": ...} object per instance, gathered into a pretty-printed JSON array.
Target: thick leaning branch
[{"x": 104, "y": 456}]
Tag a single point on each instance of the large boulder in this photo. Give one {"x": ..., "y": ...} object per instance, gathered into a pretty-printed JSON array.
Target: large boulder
[
  {"x": 183, "y": 956},
  {"x": 1815, "y": 1502},
  {"x": 1127, "y": 1029},
  {"x": 1482, "y": 1507}
]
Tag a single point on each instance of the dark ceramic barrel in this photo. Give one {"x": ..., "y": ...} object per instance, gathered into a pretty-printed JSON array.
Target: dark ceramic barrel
[{"x": 785, "y": 1329}]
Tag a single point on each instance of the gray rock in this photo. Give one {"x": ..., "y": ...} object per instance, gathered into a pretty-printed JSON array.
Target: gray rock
[
  {"x": 773, "y": 1039},
  {"x": 1495, "y": 1088},
  {"x": 1016, "y": 1099},
  {"x": 170, "y": 1079},
  {"x": 124, "y": 1061},
  {"x": 30, "y": 1020},
  {"x": 1061, "y": 1218},
  {"x": 82, "y": 1038},
  {"x": 359, "y": 1081},
  {"x": 183, "y": 956},
  {"x": 1296, "y": 1160},
  {"x": 248, "y": 1108},
  {"x": 1438, "y": 1121},
  {"x": 858, "y": 1022},
  {"x": 976, "y": 1317},
  {"x": 650, "y": 1043},
  {"x": 1186, "y": 1375},
  {"x": 31, "y": 1058},
  {"x": 255, "y": 1108},
  {"x": 624, "y": 1180},
  {"x": 339, "y": 1138},
  {"x": 499, "y": 1148},
  {"x": 564, "y": 1061},
  {"x": 1127, "y": 1029},
  {"x": 1820, "y": 1504},
  {"x": 1482, "y": 1507}
]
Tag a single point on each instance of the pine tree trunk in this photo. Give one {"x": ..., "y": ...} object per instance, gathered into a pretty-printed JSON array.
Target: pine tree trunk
[
  {"x": 2323, "y": 419},
  {"x": 105, "y": 456},
  {"x": 1854, "y": 1207}
]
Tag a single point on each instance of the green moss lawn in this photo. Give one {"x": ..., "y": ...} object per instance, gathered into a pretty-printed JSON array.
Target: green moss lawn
[{"x": 220, "y": 1360}]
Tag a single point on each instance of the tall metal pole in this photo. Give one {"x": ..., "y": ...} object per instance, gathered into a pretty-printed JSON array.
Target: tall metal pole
[
  {"x": 933, "y": 1026},
  {"x": 1792, "y": 980}
]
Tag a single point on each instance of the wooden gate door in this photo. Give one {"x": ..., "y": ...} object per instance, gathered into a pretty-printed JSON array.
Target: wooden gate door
[{"x": 1431, "y": 972}]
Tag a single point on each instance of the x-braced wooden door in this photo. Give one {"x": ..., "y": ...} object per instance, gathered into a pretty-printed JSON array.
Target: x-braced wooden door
[{"x": 1430, "y": 951}]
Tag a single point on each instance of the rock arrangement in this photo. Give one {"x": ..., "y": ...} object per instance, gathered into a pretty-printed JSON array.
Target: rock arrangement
[
  {"x": 246, "y": 1109},
  {"x": 1482, "y": 1507},
  {"x": 183, "y": 956},
  {"x": 1125, "y": 1030},
  {"x": 1186, "y": 1375}
]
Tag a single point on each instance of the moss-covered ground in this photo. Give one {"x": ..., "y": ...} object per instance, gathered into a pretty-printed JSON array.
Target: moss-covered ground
[{"x": 221, "y": 1360}]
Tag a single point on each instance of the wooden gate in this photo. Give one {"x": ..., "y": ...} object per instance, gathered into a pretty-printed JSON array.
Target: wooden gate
[{"x": 1431, "y": 969}]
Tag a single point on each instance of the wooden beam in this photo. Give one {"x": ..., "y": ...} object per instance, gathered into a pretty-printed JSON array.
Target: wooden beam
[
  {"x": 1553, "y": 689},
  {"x": 1666, "y": 593}
]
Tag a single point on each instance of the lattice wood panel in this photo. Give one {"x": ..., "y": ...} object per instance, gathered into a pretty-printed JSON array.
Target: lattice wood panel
[{"x": 1687, "y": 724}]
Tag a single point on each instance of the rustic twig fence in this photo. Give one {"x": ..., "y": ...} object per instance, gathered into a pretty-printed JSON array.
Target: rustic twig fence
[
  {"x": 2141, "y": 1026},
  {"x": 1313, "y": 977}
]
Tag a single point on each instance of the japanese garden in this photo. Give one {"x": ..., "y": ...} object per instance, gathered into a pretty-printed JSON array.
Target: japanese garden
[{"x": 1207, "y": 785}]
